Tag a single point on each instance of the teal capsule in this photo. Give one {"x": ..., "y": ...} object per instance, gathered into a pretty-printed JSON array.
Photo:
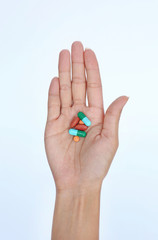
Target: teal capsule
[
  {"x": 84, "y": 119},
  {"x": 76, "y": 132}
]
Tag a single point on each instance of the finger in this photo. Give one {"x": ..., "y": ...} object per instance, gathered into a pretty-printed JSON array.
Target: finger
[
  {"x": 112, "y": 117},
  {"x": 54, "y": 100},
  {"x": 94, "y": 86},
  {"x": 78, "y": 74},
  {"x": 65, "y": 78}
]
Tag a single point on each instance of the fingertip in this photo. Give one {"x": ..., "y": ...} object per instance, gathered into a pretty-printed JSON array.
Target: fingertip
[
  {"x": 54, "y": 86},
  {"x": 122, "y": 100},
  {"x": 64, "y": 60},
  {"x": 77, "y": 44},
  {"x": 64, "y": 52},
  {"x": 91, "y": 61},
  {"x": 77, "y": 52},
  {"x": 86, "y": 49},
  {"x": 125, "y": 99}
]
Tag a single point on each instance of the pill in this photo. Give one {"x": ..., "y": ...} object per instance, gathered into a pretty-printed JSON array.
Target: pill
[
  {"x": 76, "y": 132},
  {"x": 80, "y": 122},
  {"x": 81, "y": 127},
  {"x": 84, "y": 119},
  {"x": 74, "y": 122},
  {"x": 76, "y": 138}
]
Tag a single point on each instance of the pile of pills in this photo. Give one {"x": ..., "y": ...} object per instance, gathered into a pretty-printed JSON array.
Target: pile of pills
[{"x": 78, "y": 126}]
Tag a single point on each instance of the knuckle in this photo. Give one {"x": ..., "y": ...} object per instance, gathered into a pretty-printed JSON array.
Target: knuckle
[
  {"x": 94, "y": 84},
  {"x": 53, "y": 101},
  {"x": 64, "y": 75},
  {"x": 110, "y": 112},
  {"x": 53, "y": 105},
  {"x": 78, "y": 101},
  {"x": 78, "y": 80},
  {"x": 65, "y": 87}
]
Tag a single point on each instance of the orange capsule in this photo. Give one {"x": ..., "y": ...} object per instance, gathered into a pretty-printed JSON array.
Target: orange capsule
[
  {"x": 80, "y": 122},
  {"x": 76, "y": 138},
  {"x": 81, "y": 127},
  {"x": 74, "y": 122}
]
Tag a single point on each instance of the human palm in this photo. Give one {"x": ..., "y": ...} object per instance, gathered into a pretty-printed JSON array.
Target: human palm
[{"x": 86, "y": 162}]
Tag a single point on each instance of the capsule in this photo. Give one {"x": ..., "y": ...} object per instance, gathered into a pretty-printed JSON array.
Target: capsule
[
  {"x": 81, "y": 127},
  {"x": 76, "y": 132},
  {"x": 84, "y": 119},
  {"x": 74, "y": 122}
]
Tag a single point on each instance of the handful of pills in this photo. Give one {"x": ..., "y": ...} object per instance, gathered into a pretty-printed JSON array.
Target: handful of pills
[{"x": 78, "y": 126}]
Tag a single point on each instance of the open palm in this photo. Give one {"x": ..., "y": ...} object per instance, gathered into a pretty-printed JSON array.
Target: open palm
[{"x": 86, "y": 162}]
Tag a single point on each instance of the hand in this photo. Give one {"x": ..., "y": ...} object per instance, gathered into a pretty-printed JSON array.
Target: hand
[{"x": 83, "y": 164}]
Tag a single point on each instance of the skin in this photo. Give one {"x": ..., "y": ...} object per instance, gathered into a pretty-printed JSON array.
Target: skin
[{"x": 79, "y": 168}]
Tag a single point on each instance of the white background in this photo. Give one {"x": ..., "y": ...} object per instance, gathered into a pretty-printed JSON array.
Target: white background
[{"x": 124, "y": 36}]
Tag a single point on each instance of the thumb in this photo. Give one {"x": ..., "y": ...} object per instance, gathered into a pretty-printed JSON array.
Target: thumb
[{"x": 112, "y": 117}]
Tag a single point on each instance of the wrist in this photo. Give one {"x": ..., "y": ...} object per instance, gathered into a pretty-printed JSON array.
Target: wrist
[
  {"x": 77, "y": 210},
  {"x": 77, "y": 194},
  {"x": 79, "y": 190},
  {"x": 78, "y": 200}
]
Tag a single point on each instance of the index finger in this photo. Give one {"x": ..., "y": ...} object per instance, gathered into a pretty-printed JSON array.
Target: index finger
[{"x": 94, "y": 86}]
